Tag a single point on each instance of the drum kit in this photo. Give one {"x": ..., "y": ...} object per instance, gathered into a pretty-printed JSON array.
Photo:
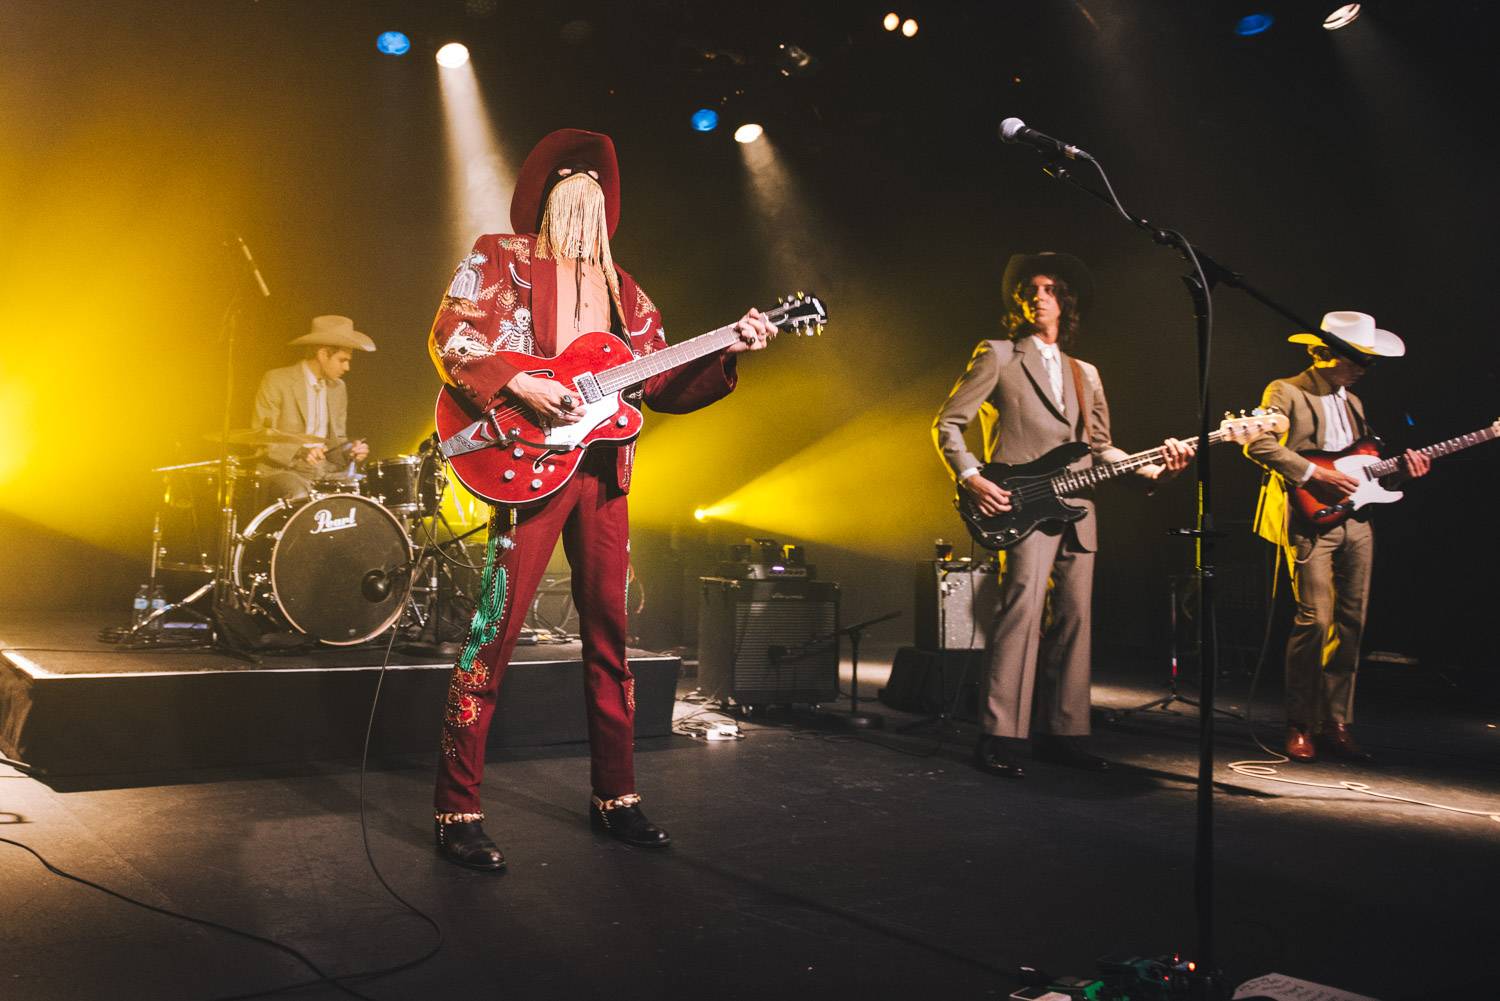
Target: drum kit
[{"x": 297, "y": 571}]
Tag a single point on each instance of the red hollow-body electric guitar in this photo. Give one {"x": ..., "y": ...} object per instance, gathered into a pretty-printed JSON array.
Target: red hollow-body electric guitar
[
  {"x": 1321, "y": 506},
  {"x": 510, "y": 457}
]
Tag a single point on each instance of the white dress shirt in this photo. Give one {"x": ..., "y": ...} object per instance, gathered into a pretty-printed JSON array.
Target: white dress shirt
[{"x": 317, "y": 403}]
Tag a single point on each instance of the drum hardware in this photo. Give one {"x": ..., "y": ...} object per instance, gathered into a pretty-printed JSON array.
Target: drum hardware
[
  {"x": 422, "y": 628},
  {"x": 260, "y": 438}
]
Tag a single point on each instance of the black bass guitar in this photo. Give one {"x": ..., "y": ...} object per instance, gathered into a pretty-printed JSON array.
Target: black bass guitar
[{"x": 1037, "y": 488}]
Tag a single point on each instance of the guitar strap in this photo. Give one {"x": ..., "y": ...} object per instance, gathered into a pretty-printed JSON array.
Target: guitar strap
[{"x": 1078, "y": 392}]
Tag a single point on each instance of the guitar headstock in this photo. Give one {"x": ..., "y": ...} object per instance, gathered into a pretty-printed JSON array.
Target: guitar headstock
[
  {"x": 1495, "y": 427},
  {"x": 804, "y": 315},
  {"x": 1253, "y": 424}
]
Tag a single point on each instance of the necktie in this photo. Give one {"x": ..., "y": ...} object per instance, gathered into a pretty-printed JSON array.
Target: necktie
[{"x": 1054, "y": 375}]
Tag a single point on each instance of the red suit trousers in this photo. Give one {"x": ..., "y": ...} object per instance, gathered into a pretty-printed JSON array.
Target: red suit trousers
[{"x": 591, "y": 514}]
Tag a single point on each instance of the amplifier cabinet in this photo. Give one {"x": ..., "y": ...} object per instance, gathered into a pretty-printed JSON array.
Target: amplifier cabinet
[
  {"x": 955, "y": 603},
  {"x": 765, "y": 641}
]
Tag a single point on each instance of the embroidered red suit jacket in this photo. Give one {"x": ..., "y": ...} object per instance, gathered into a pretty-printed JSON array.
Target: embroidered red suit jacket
[{"x": 501, "y": 298}]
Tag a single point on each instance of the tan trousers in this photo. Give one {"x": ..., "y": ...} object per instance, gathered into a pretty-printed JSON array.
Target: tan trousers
[
  {"x": 1331, "y": 584},
  {"x": 1027, "y": 671}
]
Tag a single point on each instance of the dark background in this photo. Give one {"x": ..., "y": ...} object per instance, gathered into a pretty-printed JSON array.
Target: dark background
[{"x": 1343, "y": 170}]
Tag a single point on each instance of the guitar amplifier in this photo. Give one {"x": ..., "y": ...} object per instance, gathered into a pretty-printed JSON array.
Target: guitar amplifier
[
  {"x": 764, "y": 641},
  {"x": 955, "y": 603}
]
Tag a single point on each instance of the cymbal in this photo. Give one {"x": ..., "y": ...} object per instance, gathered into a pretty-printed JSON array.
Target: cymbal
[{"x": 265, "y": 436}]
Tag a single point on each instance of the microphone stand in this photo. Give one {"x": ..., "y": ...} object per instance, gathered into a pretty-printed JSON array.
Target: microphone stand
[
  {"x": 1206, "y": 273},
  {"x": 856, "y": 720}
]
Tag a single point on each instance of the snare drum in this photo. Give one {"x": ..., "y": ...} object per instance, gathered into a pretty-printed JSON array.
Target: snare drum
[
  {"x": 305, "y": 565},
  {"x": 403, "y": 485}
]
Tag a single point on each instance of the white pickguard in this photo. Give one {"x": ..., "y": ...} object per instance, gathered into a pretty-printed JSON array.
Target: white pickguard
[
  {"x": 568, "y": 436},
  {"x": 1370, "y": 491}
]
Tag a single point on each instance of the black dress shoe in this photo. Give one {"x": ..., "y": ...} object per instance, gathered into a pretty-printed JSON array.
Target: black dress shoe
[
  {"x": 622, "y": 819},
  {"x": 1066, "y": 751},
  {"x": 991, "y": 758},
  {"x": 463, "y": 842}
]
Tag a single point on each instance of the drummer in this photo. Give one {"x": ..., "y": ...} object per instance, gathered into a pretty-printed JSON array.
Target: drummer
[{"x": 309, "y": 397}]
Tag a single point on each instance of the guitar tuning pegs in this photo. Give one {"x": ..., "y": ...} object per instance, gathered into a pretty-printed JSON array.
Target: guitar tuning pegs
[
  {"x": 819, "y": 329},
  {"x": 1229, "y": 415}
]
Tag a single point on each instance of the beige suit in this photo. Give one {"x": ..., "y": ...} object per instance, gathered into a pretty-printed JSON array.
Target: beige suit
[
  {"x": 1330, "y": 569},
  {"x": 1007, "y": 386},
  {"x": 281, "y": 403}
]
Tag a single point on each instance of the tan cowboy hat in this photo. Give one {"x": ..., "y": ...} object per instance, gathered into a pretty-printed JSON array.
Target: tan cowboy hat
[
  {"x": 335, "y": 332},
  {"x": 1358, "y": 330}
]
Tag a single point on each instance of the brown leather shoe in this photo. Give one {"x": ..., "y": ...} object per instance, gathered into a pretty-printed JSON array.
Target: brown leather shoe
[
  {"x": 1299, "y": 746},
  {"x": 1336, "y": 741}
]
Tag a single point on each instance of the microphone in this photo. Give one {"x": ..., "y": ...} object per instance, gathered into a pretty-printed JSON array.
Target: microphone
[
  {"x": 265, "y": 291},
  {"x": 1013, "y": 130},
  {"x": 376, "y": 585}
]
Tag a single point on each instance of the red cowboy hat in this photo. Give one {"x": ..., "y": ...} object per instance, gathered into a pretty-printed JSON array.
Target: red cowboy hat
[{"x": 563, "y": 148}]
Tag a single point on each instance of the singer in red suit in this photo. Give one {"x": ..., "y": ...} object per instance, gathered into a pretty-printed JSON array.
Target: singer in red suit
[{"x": 535, "y": 291}]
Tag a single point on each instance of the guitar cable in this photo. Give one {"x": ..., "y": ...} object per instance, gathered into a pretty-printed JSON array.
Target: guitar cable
[
  {"x": 1268, "y": 768},
  {"x": 339, "y": 982}
]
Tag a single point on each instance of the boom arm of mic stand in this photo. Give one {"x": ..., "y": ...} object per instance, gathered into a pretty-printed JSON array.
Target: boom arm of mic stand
[{"x": 1215, "y": 272}]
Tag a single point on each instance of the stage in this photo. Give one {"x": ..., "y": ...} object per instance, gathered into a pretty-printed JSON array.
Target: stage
[{"x": 807, "y": 863}]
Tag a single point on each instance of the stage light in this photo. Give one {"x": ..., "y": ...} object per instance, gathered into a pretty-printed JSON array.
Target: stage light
[
  {"x": 1341, "y": 18},
  {"x": 909, "y": 27},
  {"x": 700, "y": 514},
  {"x": 453, "y": 55},
  {"x": 1253, "y": 24},
  {"x": 705, "y": 120},
  {"x": 748, "y": 133},
  {"x": 480, "y": 177},
  {"x": 892, "y": 21},
  {"x": 393, "y": 43}
]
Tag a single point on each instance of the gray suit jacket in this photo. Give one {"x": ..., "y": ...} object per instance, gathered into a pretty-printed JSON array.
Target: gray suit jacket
[
  {"x": 281, "y": 403},
  {"x": 1006, "y": 385},
  {"x": 1301, "y": 399}
]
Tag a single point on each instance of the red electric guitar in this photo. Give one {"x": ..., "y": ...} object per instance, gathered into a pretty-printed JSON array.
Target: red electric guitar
[
  {"x": 509, "y": 457},
  {"x": 1321, "y": 506}
]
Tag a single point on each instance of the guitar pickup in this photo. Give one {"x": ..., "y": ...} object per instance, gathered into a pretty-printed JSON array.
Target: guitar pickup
[{"x": 588, "y": 387}]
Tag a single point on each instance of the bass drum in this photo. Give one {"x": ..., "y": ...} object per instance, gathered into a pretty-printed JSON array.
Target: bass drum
[{"x": 305, "y": 565}]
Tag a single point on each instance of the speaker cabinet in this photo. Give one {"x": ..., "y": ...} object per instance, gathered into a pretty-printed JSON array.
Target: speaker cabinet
[
  {"x": 764, "y": 641},
  {"x": 955, "y": 603}
]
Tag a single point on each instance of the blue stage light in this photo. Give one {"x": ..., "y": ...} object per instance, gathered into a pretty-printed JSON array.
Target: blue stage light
[
  {"x": 705, "y": 120},
  {"x": 393, "y": 43},
  {"x": 1253, "y": 24}
]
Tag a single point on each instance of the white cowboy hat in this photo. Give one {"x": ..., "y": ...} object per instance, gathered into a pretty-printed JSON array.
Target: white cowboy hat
[{"x": 1359, "y": 331}]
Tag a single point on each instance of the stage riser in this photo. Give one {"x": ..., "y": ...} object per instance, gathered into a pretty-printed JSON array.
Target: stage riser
[{"x": 112, "y": 724}]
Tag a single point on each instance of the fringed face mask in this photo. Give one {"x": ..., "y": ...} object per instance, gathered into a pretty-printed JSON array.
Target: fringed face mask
[{"x": 574, "y": 226}]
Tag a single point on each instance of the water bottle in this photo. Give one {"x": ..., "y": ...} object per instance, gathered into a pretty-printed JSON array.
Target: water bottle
[
  {"x": 158, "y": 602},
  {"x": 141, "y": 606}
]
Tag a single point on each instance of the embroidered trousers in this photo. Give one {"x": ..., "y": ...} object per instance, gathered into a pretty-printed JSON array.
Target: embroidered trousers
[{"x": 591, "y": 514}]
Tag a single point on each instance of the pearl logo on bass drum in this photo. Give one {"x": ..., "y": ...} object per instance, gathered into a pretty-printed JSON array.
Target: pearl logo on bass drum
[{"x": 326, "y": 522}]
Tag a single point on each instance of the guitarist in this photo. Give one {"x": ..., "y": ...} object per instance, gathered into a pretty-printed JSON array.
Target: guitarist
[
  {"x": 1330, "y": 568},
  {"x": 536, "y": 291},
  {"x": 1031, "y": 396}
]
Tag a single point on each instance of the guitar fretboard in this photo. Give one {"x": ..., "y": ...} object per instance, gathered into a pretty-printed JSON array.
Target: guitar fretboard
[
  {"x": 1077, "y": 480},
  {"x": 633, "y": 372},
  {"x": 1385, "y": 468}
]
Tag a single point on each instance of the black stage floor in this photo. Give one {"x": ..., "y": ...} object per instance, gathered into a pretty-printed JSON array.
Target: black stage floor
[{"x": 806, "y": 864}]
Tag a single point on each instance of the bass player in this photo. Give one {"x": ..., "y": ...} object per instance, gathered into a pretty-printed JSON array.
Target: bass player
[
  {"x": 1330, "y": 568},
  {"x": 1031, "y": 396},
  {"x": 536, "y": 291}
]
